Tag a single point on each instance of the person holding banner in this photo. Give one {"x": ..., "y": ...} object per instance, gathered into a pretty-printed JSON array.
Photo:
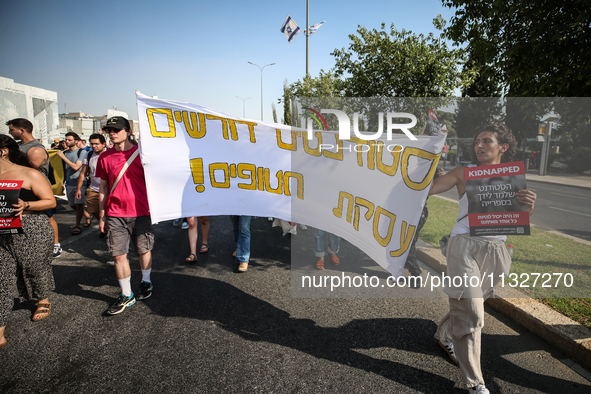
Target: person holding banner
[
  {"x": 27, "y": 255},
  {"x": 124, "y": 211},
  {"x": 459, "y": 332},
  {"x": 326, "y": 243},
  {"x": 241, "y": 226},
  {"x": 194, "y": 234}
]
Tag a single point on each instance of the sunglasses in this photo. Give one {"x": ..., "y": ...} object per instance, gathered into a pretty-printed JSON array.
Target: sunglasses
[{"x": 110, "y": 130}]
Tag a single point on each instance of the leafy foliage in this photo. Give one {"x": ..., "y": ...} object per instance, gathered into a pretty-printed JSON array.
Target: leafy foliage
[
  {"x": 474, "y": 114},
  {"x": 399, "y": 64},
  {"x": 535, "y": 48},
  {"x": 381, "y": 69},
  {"x": 274, "y": 112},
  {"x": 327, "y": 84},
  {"x": 286, "y": 104}
]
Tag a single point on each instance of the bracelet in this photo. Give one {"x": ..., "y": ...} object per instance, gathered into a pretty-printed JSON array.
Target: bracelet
[{"x": 28, "y": 205}]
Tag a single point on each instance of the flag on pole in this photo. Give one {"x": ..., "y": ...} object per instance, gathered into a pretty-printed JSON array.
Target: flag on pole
[
  {"x": 312, "y": 29},
  {"x": 290, "y": 28}
]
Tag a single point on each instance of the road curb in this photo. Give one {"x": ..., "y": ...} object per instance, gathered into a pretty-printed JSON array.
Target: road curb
[{"x": 572, "y": 338}]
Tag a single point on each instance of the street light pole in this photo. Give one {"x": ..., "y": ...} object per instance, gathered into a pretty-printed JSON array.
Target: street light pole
[
  {"x": 546, "y": 146},
  {"x": 261, "y": 68},
  {"x": 243, "y": 105},
  {"x": 307, "y": 32}
]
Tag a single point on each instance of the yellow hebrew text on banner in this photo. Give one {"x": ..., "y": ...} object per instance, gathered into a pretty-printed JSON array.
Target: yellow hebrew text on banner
[
  {"x": 171, "y": 133},
  {"x": 434, "y": 158}
]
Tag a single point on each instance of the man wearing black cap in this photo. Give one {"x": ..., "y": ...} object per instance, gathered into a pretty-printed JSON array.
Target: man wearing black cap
[{"x": 124, "y": 211}]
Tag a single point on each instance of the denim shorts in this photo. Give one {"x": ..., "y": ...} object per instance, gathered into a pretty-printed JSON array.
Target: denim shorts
[{"x": 121, "y": 230}]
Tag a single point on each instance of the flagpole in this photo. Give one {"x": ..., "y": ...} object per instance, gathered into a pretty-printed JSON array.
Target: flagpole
[{"x": 307, "y": 37}]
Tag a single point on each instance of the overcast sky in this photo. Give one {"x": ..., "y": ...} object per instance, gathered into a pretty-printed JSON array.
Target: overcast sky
[{"x": 95, "y": 54}]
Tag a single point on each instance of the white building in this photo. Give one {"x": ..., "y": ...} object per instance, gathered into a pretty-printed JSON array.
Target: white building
[
  {"x": 35, "y": 104},
  {"x": 78, "y": 122},
  {"x": 85, "y": 124}
]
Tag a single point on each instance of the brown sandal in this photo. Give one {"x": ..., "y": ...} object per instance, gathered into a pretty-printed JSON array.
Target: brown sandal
[
  {"x": 43, "y": 308},
  {"x": 320, "y": 264},
  {"x": 334, "y": 258}
]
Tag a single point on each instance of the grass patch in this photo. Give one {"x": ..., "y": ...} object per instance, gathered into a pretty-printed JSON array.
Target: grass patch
[
  {"x": 540, "y": 253},
  {"x": 441, "y": 220},
  {"x": 578, "y": 309}
]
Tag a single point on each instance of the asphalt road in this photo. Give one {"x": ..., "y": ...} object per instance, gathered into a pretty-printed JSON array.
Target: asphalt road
[
  {"x": 562, "y": 208},
  {"x": 208, "y": 329},
  {"x": 558, "y": 208}
]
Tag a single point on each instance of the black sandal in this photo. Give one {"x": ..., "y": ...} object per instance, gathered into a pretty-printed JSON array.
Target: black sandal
[{"x": 192, "y": 257}]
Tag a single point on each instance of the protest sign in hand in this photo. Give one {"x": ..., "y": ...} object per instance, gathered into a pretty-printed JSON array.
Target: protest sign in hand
[
  {"x": 9, "y": 222},
  {"x": 493, "y": 208}
]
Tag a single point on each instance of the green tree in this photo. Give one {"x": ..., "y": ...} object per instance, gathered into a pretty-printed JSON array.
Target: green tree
[
  {"x": 573, "y": 131},
  {"x": 486, "y": 82},
  {"x": 327, "y": 84},
  {"x": 400, "y": 64},
  {"x": 474, "y": 113},
  {"x": 316, "y": 92},
  {"x": 535, "y": 48},
  {"x": 388, "y": 70},
  {"x": 286, "y": 103},
  {"x": 274, "y": 112}
]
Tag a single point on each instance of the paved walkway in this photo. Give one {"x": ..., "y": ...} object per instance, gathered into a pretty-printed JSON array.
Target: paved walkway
[{"x": 561, "y": 179}]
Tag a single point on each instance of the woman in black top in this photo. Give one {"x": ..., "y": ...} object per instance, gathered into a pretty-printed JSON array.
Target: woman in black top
[{"x": 26, "y": 256}]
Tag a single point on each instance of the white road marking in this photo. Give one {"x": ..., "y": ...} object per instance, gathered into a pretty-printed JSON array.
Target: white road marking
[
  {"x": 568, "y": 195},
  {"x": 566, "y": 210}
]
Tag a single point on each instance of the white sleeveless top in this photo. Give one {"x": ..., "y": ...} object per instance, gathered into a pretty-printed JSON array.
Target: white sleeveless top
[{"x": 463, "y": 226}]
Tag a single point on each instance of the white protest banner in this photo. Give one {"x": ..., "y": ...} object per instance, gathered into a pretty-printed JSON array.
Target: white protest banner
[{"x": 199, "y": 162}]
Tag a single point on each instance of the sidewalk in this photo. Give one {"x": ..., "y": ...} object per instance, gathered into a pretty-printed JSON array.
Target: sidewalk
[{"x": 580, "y": 181}]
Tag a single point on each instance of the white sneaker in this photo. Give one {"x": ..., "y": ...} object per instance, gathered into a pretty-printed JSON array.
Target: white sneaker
[
  {"x": 303, "y": 227},
  {"x": 270, "y": 219},
  {"x": 57, "y": 251},
  {"x": 449, "y": 348},
  {"x": 185, "y": 226},
  {"x": 480, "y": 389},
  {"x": 111, "y": 263}
]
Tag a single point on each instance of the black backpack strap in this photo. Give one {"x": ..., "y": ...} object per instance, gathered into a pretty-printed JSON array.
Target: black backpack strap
[{"x": 460, "y": 219}]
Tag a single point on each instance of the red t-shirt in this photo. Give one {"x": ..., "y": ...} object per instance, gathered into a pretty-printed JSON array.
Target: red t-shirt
[{"x": 129, "y": 199}]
